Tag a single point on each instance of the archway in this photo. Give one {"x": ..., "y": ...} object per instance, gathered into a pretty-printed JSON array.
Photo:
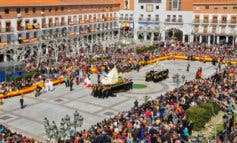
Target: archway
[{"x": 174, "y": 34}]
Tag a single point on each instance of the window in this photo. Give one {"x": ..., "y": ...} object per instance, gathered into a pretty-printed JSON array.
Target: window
[
  {"x": 56, "y": 9},
  {"x": 207, "y": 7},
  {"x": 142, "y": 7},
  {"x": 6, "y": 11},
  {"x": 34, "y": 10},
  {"x": 50, "y": 9},
  {"x": 235, "y": 7},
  {"x": 43, "y": 9},
  {"x": 215, "y": 7},
  {"x": 26, "y": 10},
  {"x": 224, "y": 18},
  {"x": 157, "y": 7},
  {"x": 149, "y": 8},
  {"x": 225, "y": 7},
  {"x": 62, "y": 8},
  {"x": 18, "y": 10},
  {"x": 175, "y": 4}
]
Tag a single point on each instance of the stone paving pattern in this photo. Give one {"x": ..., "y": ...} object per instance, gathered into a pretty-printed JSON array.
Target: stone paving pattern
[{"x": 56, "y": 104}]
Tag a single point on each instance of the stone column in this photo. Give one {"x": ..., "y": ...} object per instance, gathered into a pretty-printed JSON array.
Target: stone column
[
  {"x": 200, "y": 39},
  {"x": 191, "y": 39},
  {"x": 217, "y": 39},
  {"x": 5, "y": 58},
  {"x": 227, "y": 39},
  {"x": 145, "y": 36},
  {"x": 183, "y": 40},
  {"x": 209, "y": 40}
]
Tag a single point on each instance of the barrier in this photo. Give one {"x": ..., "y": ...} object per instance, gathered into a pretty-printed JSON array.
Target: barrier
[
  {"x": 29, "y": 89},
  {"x": 95, "y": 70}
]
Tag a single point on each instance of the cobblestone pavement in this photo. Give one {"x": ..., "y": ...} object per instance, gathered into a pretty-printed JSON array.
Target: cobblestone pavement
[{"x": 56, "y": 104}]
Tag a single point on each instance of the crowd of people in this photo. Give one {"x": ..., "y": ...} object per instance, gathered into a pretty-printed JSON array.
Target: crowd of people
[
  {"x": 79, "y": 65},
  {"x": 156, "y": 121},
  {"x": 7, "y": 136}
]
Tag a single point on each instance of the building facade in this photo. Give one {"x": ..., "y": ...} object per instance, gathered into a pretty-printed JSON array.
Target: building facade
[
  {"x": 215, "y": 21},
  {"x": 44, "y": 27},
  {"x": 204, "y": 21}
]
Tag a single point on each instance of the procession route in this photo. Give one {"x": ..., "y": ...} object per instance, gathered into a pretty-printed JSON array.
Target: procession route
[{"x": 55, "y": 105}]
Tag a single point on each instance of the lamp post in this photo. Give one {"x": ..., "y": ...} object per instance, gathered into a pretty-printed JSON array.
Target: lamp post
[
  {"x": 176, "y": 81},
  {"x": 64, "y": 131},
  {"x": 77, "y": 122}
]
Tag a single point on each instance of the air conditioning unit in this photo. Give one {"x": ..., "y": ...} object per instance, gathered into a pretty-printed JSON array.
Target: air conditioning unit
[{"x": 18, "y": 15}]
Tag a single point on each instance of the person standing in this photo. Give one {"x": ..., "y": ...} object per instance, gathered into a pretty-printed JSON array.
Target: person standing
[
  {"x": 70, "y": 82},
  {"x": 188, "y": 66},
  {"x": 66, "y": 81},
  {"x": 22, "y": 101},
  {"x": 98, "y": 78}
]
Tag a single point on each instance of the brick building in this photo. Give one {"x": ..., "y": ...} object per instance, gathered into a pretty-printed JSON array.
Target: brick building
[{"x": 40, "y": 25}]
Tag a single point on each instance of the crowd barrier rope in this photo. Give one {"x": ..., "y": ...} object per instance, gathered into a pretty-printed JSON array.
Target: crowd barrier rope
[{"x": 95, "y": 70}]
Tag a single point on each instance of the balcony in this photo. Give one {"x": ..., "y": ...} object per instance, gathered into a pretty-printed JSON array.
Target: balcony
[
  {"x": 3, "y": 44},
  {"x": 45, "y": 25},
  {"x": 233, "y": 21},
  {"x": 195, "y": 30},
  {"x": 25, "y": 41},
  {"x": 71, "y": 23},
  {"x": 63, "y": 24},
  {"x": 57, "y": 24},
  {"x": 29, "y": 27},
  {"x": 205, "y": 21},
  {"x": 115, "y": 18},
  {"x": 82, "y": 32},
  {"x": 223, "y": 22},
  {"x": 8, "y": 30},
  {"x": 196, "y": 21},
  {"x": 101, "y": 20},
  {"x": 51, "y": 25},
  {"x": 37, "y": 26},
  {"x": 93, "y": 30},
  {"x": 180, "y": 20},
  {"x": 205, "y": 30},
  {"x": 92, "y": 20},
  {"x": 142, "y": 19},
  {"x": 168, "y": 20},
  {"x": 214, "y": 21},
  {"x": 71, "y": 33},
  {"x": 108, "y": 19}
]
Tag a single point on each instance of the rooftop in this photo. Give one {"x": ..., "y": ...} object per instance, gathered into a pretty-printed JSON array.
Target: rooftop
[{"x": 4, "y": 3}]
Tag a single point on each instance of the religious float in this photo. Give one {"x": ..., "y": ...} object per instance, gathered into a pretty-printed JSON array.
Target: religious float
[
  {"x": 112, "y": 83},
  {"x": 157, "y": 73}
]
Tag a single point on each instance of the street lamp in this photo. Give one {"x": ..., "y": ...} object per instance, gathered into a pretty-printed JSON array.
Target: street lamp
[
  {"x": 64, "y": 131},
  {"x": 78, "y": 121},
  {"x": 176, "y": 81}
]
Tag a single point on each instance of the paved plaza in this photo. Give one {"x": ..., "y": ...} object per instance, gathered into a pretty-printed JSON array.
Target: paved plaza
[{"x": 55, "y": 105}]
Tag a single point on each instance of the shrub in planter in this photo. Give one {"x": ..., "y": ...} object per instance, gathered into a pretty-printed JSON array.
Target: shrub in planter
[{"x": 201, "y": 114}]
